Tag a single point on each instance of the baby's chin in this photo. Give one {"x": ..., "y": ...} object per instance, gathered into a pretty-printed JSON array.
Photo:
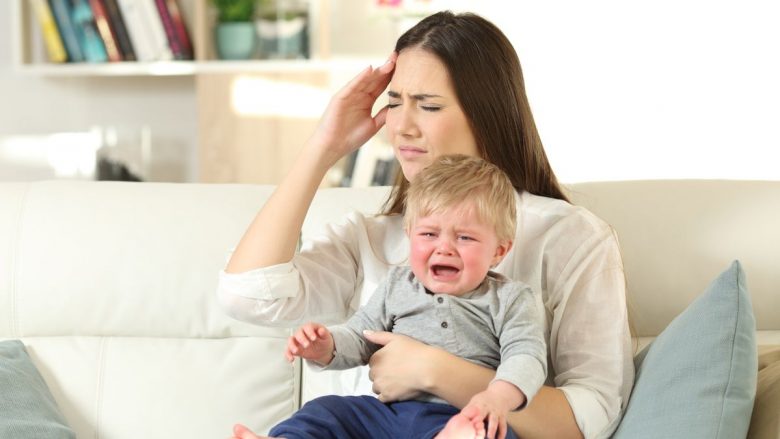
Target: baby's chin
[{"x": 448, "y": 289}]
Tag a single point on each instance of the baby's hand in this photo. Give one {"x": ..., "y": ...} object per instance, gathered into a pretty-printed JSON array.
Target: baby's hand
[
  {"x": 311, "y": 341},
  {"x": 493, "y": 405}
]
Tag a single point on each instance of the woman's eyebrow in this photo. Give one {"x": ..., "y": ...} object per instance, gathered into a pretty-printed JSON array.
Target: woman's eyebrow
[{"x": 418, "y": 97}]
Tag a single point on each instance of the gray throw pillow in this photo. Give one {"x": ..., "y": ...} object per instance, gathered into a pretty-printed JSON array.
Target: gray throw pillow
[
  {"x": 27, "y": 407},
  {"x": 698, "y": 377}
]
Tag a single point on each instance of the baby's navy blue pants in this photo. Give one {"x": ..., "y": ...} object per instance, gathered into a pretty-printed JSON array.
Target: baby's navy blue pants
[{"x": 363, "y": 417}]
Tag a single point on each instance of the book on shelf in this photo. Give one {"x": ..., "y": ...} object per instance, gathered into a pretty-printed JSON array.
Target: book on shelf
[
  {"x": 175, "y": 41},
  {"x": 153, "y": 21},
  {"x": 180, "y": 28},
  {"x": 86, "y": 31},
  {"x": 113, "y": 30},
  {"x": 137, "y": 30},
  {"x": 55, "y": 48},
  {"x": 61, "y": 11},
  {"x": 117, "y": 24},
  {"x": 104, "y": 30},
  {"x": 146, "y": 30}
]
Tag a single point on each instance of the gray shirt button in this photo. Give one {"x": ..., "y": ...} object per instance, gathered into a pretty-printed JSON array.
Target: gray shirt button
[
  {"x": 440, "y": 299},
  {"x": 444, "y": 325}
]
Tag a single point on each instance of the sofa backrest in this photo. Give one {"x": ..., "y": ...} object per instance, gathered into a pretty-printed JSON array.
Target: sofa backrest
[{"x": 678, "y": 235}]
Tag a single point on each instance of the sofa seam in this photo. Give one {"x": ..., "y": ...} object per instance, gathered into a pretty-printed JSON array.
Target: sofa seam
[
  {"x": 731, "y": 359},
  {"x": 15, "y": 262},
  {"x": 297, "y": 382},
  {"x": 99, "y": 387}
]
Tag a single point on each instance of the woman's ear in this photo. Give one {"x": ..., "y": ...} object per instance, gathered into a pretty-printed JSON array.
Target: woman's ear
[{"x": 501, "y": 250}]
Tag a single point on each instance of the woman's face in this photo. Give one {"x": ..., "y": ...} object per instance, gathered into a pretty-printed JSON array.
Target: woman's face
[{"x": 424, "y": 119}]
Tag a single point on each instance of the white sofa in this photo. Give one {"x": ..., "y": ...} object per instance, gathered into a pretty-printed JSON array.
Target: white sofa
[{"x": 111, "y": 287}]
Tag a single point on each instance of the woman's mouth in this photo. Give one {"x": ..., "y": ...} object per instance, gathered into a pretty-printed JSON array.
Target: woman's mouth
[{"x": 411, "y": 152}]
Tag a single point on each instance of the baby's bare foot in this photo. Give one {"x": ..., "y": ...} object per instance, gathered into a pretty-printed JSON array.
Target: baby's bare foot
[
  {"x": 462, "y": 427},
  {"x": 242, "y": 432}
]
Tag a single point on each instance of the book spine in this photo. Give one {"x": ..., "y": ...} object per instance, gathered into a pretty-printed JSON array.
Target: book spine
[
  {"x": 137, "y": 30},
  {"x": 51, "y": 36},
  {"x": 105, "y": 31},
  {"x": 86, "y": 31},
  {"x": 61, "y": 10},
  {"x": 181, "y": 28},
  {"x": 170, "y": 31},
  {"x": 120, "y": 30},
  {"x": 156, "y": 30}
]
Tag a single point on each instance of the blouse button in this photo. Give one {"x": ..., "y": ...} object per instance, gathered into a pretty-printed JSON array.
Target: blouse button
[
  {"x": 444, "y": 325},
  {"x": 440, "y": 299}
]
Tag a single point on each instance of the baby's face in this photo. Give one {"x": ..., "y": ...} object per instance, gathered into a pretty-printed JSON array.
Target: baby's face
[{"x": 452, "y": 251}]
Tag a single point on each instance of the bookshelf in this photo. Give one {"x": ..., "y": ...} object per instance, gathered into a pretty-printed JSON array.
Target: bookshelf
[
  {"x": 200, "y": 19},
  {"x": 257, "y": 140}
]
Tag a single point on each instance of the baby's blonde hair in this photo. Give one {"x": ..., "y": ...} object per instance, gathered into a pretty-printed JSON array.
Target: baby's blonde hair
[{"x": 452, "y": 180}]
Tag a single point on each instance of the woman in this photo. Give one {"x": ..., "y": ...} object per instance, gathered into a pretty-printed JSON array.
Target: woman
[{"x": 454, "y": 86}]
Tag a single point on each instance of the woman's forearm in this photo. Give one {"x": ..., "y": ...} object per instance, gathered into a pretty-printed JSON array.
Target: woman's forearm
[
  {"x": 454, "y": 379},
  {"x": 273, "y": 235},
  {"x": 346, "y": 125},
  {"x": 547, "y": 416}
]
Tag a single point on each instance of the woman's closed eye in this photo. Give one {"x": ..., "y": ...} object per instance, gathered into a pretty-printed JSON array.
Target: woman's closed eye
[{"x": 430, "y": 108}]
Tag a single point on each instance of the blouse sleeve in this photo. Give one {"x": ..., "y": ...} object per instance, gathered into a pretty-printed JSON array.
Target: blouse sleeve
[
  {"x": 318, "y": 284},
  {"x": 590, "y": 341}
]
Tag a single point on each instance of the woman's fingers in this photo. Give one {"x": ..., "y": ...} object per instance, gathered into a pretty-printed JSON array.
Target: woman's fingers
[
  {"x": 502, "y": 430},
  {"x": 371, "y": 81},
  {"x": 492, "y": 426},
  {"x": 380, "y": 337},
  {"x": 380, "y": 118},
  {"x": 380, "y": 77}
]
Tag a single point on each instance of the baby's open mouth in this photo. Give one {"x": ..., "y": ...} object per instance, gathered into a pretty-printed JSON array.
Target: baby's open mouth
[{"x": 444, "y": 271}]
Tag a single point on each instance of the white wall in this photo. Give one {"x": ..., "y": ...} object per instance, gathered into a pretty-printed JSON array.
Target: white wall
[
  {"x": 655, "y": 89},
  {"x": 661, "y": 89},
  {"x": 32, "y": 105}
]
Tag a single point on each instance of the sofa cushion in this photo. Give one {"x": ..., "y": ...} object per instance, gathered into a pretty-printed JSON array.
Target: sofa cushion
[
  {"x": 27, "y": 407},
  {"x": 765, "y": 423},
  {"x": 697, "y": 379}
]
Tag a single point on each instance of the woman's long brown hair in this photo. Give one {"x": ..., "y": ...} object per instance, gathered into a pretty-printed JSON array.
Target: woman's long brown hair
[{"x": 488, "y": 81}]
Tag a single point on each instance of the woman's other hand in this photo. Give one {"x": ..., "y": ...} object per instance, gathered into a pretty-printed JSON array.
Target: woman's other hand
[
  {"x": 347, "y": 122},
  {"x": 399, "y": 367}
]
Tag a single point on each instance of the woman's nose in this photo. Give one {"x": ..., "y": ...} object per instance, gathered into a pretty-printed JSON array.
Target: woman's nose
[{"x": 406, "y": 125}]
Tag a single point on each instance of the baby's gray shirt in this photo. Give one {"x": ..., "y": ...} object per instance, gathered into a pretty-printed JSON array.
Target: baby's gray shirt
[{"x": 498, "y": 325}]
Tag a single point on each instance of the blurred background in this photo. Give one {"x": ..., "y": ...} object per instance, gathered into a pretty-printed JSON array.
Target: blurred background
[{"x": 620, "y": 90}]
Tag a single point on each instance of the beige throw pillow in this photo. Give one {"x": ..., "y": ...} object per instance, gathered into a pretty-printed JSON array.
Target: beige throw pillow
[{"x": 765, "y": 423}]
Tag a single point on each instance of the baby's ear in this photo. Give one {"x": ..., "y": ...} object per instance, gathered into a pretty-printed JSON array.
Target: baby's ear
[{"x": 501, "y": 250}]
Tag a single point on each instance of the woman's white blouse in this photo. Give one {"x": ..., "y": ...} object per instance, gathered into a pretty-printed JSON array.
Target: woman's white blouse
[{"x": 564, "y": 251}]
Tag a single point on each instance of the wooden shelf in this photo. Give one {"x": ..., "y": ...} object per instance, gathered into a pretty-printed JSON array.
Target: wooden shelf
[
  {"x": 191, "y": 68},
  {"x": 162, "y": 68}
]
